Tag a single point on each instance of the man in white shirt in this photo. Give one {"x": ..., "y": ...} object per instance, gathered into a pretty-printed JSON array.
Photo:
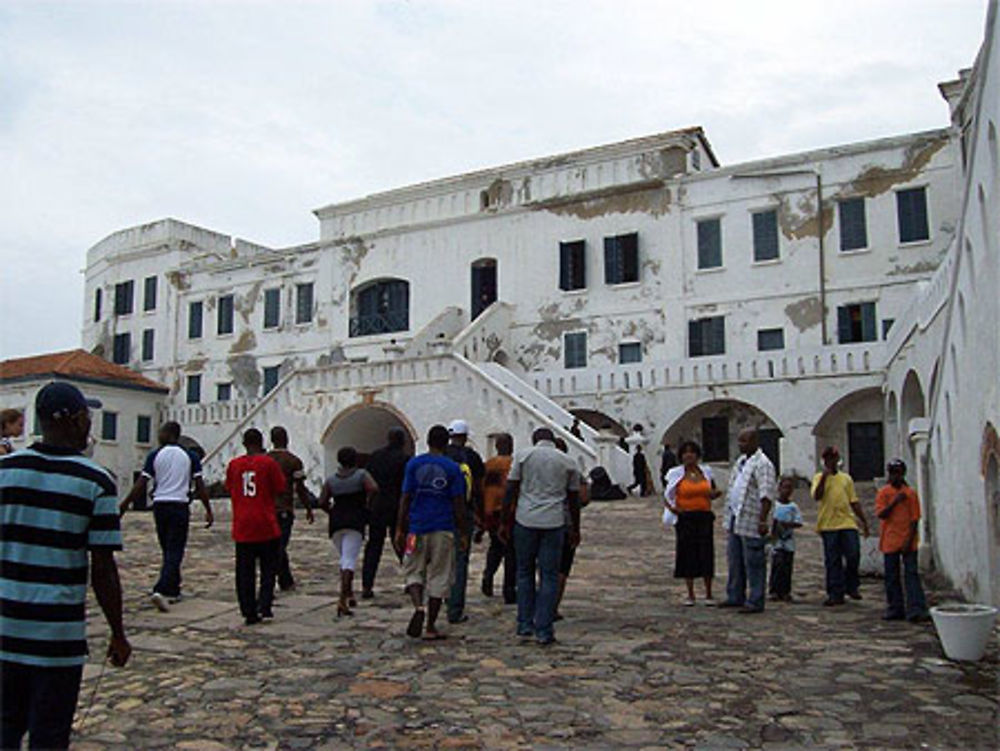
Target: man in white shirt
[
  {"x": 542, "y": 481},
  {"x": 172, "y": 469}
]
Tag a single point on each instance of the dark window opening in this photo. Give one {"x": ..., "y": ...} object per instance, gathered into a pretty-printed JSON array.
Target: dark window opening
[
  {"x": 109, "y": 426},
  {"x": 147, "y": 345},
  {"x": 629, "y": 352},
  {"x": 575, "y": 349},
  {"x": 856, "y": 323},
  {"x": 149, "y": 293},
  {"x": 572, "y": 265},
  {"x": 225, "y": 315},
  {"x": 97, "y": 304},
  {"x": 381, "y": 308},
  {"x": 223, "y": 392},
  {"x": 303, "y": 303},
  {"x": 853, "y": 225},
  {"x": 765, "y": 235},
  {"x": 271, "y": 375},
  {"x": 715, "y": 439},
  {"x": 272, "y": 308},
  {"x": 123, "y": 298},
  {"x": 621, "y": 259},
  {"x": 707, "y": 336},
  {"x": 193, "y": 389},
  {"x": 768, "y": 339},
  {"x": 195, "y": 311},
  {"x": 143, "y": 429},
  {"x": 709, "y": 244},
  {"x": 911, "y": 211},
  {"x": 865, "y": 450},
  {"x": 484, "y": 285},
  {"x": 121, "y": 351}
]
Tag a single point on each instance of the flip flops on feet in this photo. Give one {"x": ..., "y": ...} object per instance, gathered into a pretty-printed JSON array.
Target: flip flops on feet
[{"x": 416, "y": 625}]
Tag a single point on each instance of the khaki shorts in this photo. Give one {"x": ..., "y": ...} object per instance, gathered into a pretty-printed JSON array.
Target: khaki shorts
[{"x": 432, "y": 563}]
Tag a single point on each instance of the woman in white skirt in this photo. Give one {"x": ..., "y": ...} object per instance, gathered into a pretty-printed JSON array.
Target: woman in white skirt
[{"x": 346, "y": 497}]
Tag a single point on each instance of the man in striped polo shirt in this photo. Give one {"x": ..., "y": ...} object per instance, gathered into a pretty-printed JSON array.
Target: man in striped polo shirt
[{"x": 55, "y": 507}]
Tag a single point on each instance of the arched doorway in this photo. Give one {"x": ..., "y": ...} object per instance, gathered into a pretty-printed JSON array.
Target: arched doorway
[
  {"x": 363, "y": 427},
  {"x": 912, "y": 403},
  {"x": 854, "y": 424},
  {"x": 715, "y": 425}
]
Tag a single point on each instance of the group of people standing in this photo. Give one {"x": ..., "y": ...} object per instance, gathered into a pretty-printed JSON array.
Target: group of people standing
[{"x": 760, "y": 515}]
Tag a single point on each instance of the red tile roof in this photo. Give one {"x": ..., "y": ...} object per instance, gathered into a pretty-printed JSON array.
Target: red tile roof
[{"x": 76, "y": 364}]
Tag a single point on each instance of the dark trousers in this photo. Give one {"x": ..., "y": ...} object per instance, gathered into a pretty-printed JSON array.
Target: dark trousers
[
  {"x": 915, "y": 605},
  {"x": 541, "y": 550},
  {"x": 782, "y": 562},
  {"x": 496, "y": 554},
  {"x": 456, "y": 598},
  {"x": 286, "y": 519},
  {"x": 841, "y": 556},
  {"x": 172, "y": 520},
  {"x": 747, "y": 571},
  {"x": 40, "y": 702},
  {"x": 247, "y": 556},
  {"x": 382, "y": 522}
]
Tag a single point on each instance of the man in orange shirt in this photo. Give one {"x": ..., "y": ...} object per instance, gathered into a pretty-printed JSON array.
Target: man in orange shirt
[
  {"x": 898, "y": 510},
  {"x": 494, "y": 491}
]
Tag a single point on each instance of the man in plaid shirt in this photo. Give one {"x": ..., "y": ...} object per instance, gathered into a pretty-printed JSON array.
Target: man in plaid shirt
[{"x": 748, "y": 506}]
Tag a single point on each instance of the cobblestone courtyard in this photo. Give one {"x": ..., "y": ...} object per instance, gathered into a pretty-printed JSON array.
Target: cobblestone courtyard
[{"x": 633, "y": 668}]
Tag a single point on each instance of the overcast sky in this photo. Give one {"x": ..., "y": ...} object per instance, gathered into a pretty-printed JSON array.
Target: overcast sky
[{"x": 242, "y": 117}]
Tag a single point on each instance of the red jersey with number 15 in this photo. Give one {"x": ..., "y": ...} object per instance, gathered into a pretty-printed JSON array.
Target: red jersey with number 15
[{"x": 253, "y": 482}]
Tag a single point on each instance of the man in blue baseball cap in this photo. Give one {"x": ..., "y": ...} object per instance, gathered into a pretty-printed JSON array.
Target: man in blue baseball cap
[{"x": 57, "y": 507}]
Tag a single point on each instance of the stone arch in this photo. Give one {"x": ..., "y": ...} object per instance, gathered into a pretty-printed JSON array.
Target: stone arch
[
  {"x": 364, "y": 426},
  {"x": 715, "y": 425},
  {"x": 892, "y": 436},
  {"x": 855, "y": 424},
  {"x": 912, "y": 403}
]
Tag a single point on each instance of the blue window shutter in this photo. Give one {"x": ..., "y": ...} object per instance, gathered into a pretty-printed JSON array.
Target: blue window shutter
[
  {"x": 868, "y": 322},
  {"x": 844, "y": 324}
]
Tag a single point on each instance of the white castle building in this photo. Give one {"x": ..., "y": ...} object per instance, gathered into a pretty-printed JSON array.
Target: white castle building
[{"x": 838, "y": 296}]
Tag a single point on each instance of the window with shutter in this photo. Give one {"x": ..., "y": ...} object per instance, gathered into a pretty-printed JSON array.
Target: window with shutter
[
  {"x": 911, "y": 212},
  {"x": 707, "y": 336},
  {"x": 225, "y": 315},
  {"x": 572, "y": 268},
  {"x": 709, "y": 244},
  {"x": 272, "y": 308},
  {"x": 575, "y": 349},
  {"x": 853, "y": 225},
  {"x": 765, "y": 235},
  {"x": 621, "y": 259},
  {"x": 856, "y": 323}
]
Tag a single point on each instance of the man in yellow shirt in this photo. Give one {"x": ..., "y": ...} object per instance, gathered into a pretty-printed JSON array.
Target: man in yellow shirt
[{"x": 839, "y": 516}]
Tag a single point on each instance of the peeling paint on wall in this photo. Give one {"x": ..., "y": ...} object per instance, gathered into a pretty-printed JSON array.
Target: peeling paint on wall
[
  {"x": 179, "y": 280},
  {"x": 876, "y": 180},
  {"x": 245, "y": 375},
  {"x": 352, "y": 252},
  {"x": 800, "y": 221},
  {"x": 806, "y": 313},
  {"x": 246, "y": 343},
  {"x": 923, "y": 267},
  {"x": 499, "y": 194},
  {"x": 195, "y": 364},
  {"x": 654, "y": 200}
]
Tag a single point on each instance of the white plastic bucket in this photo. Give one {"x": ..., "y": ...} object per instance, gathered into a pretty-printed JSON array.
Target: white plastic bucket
[{"x": 964, "y": 629}]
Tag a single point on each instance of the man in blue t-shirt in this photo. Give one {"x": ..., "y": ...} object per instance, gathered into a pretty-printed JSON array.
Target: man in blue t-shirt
[
  {"x": 431, "y": 509},
  {"x": 172, "y": 469}
]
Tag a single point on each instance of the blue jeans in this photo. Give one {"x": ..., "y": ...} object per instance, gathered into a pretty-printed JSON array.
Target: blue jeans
[
  {"x": 40, "y": 702},
  {"x": 916, "y": 605},
  {"x": 841, "y": 556},
  {"x": 172, "y": 532},
  {"x": 541, "y": 548},
  {"x": 747, "y": 567}
]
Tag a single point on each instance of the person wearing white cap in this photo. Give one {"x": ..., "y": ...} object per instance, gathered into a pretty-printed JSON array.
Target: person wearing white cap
[{"x": 462, "y": 454}]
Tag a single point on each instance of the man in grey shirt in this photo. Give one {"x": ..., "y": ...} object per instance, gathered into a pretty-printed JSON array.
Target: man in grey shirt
[{"x": 542, "y": 481}]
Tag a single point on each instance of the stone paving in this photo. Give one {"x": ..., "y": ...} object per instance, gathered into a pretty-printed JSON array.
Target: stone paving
[{"x": 633, "y": 668}]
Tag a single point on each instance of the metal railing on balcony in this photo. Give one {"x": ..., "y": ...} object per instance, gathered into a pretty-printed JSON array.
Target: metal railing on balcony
[{"x": 379, "y": 323}]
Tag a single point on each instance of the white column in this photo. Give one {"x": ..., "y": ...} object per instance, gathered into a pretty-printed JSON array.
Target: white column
[{"x": 918, "y": 432}]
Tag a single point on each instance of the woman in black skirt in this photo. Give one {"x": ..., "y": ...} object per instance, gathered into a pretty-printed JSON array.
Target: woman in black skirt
[{"x": 689, "y": 494}]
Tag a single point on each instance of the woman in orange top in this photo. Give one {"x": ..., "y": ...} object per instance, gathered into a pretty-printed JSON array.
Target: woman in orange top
[{"x": 689, "y": 493}]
